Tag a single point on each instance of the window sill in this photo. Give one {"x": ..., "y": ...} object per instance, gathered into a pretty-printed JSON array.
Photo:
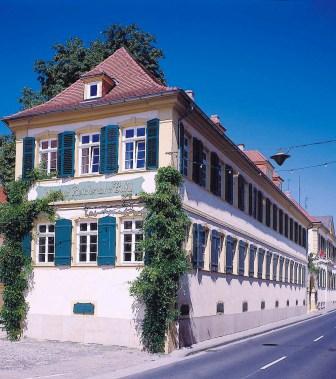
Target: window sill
[{"x": 131, "y": 264}]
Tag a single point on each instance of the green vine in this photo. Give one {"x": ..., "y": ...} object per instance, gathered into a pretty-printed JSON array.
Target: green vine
[
  {"x": 16, "y": 220},
  {"x": 157, "y": 285},
  {"x": 312, "y": 268}
]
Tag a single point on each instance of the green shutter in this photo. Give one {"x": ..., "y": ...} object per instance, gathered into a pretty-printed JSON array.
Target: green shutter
[
  {"x": 28, "y": 156},
  {"x": 106, "y": 241},
  {"x": 251, "y": 260},
  {"x": 63, "y": 230},
  {"x": 181, "y": 148},
  {"x": 109, "y": 148},
  {"x": 26, "y": 245},
  {"x": 195, "y": 244},
  {"x": 215, "y": 249},
  {"x": 197, "y": 160},
  {"x": 214, "y": 181},
  {"x": 229, "y": 254},
  {"x": 242, "y": 250},
  {"x": 66, "y": 155},
  {"x": 152, "y": 144}
]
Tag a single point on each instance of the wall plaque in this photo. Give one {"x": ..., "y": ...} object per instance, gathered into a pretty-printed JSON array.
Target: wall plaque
[{"x": 94, "y": 190}]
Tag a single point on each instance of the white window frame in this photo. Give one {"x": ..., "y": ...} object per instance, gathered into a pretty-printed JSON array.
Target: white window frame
[
  {"x": 87, "y": 95},
  {"x": 89, "y": 146},
  {"x": 135, "y": 141},
  {"x": 48, "y": 151},
  {"x": 133, "y": 232},
  {"x": 46, "y": 234},
  {"x": 87, "y": 233}
]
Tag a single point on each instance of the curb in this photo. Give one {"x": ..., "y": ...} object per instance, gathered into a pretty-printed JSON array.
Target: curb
[{"x": 237, "y": 339}]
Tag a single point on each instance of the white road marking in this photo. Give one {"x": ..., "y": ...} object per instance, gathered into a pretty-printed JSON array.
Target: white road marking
[
  {"x": 273, "y": 363},
  {"x": 318, "y": 338},
  {"x": 46, "y": 376}
]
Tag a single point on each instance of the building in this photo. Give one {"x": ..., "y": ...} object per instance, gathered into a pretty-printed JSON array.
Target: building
[
  {"x": 103, "y": 139},
  {"x": 322, "y": 247}
]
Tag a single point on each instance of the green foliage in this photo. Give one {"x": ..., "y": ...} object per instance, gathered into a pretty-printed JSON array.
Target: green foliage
[
  {"x": 157, "y": 285},
  {"x": 73, "y": 58},
  {"x": 311, "y": 264},
  {"x": 16, "y": 220},
  {"x": 7, "y": 160}
]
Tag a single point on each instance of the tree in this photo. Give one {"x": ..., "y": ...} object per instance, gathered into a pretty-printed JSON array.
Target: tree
[
  {"x": 7, "y": 160},
  {"x": 73, "y": 58},
  {"x": 156, "y": 287}
]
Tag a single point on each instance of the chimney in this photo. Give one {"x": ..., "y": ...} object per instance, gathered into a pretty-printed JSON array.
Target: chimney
[
  {"x": 190, "y": 93},
  {"x": 216, "y": 120},
  {"x": 241, "y": 146},
  {"x": 277, "y": 180}
]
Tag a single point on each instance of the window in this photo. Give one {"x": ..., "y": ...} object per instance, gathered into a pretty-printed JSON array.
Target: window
[
  {"x": 87, "y": 241},
  {"x": 132, "y": 235},
  {"x": 242, "y": 253},
  {"x": 203, "y": 169},
  {"x": 268, "y": 264},
  {"x": 275, "y": 217},
  {"x": 280, "y": 221},
  {"x": 46, "y": 243},
  {"x": 281, "y": 269},
  {"x": 48, "y": 155},
  {"x": 286, "y": 270},
  {"x": 220, "y": 307},
  {"x": 134, "y": 145},
  {"x": 261, "y": 254},
  {"x": 245, "y": 306},
  {"x": 250, "y": 201},
  {"x": 199, "y": 244},
  {"x": 260, "y": 206},
  {"x": 251, "y": 260},
  {"x": 286, "y": 225},
  {"x": 255, "y": 195},
  {"x": 291, "y": 231},
  {"x": 300, "y": 236},
  {"x": 215, "y": 250},
  {"x": 268, "y": 212},
  {"x": 230, "y": 250},
  {"x": 229, "y": 184},
  {"x": 241, "y": 193},
  {"x": 216, "y": 175},
  {"x": 93, "y": 90},
  {"x": 296, "y": 232},
  {"x": 186, "y": 152},
  {"x": 89, "y": 153},
  {"x": 275, "y": 266},
  {"x": 262, "y": 305}
]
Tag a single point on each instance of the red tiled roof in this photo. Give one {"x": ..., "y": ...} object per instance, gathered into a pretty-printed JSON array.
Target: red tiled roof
[
  {"x": 132, "y": 81},
  {"x": 292, "y": 199},
  {"x": 256, "y": 156},
  {"x": 3, "y": 197}
]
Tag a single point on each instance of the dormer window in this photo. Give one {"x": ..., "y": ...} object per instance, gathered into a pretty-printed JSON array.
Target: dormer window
[
  {"x": 96, "y": 85},
  {"x": 93, "y": 90}
]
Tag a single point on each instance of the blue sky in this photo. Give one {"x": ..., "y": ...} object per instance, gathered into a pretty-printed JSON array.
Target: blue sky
[{"x": 267, "y": 67}]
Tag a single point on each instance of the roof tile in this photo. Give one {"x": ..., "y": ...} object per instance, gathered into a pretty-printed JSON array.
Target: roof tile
[{"x": 132, "y": 80}]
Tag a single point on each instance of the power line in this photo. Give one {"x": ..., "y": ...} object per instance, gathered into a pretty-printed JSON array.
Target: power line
[{"x": 325, "y": 164}]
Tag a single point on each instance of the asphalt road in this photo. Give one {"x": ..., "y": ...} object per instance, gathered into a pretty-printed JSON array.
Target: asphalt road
[{"x": 306, "y": 350}]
